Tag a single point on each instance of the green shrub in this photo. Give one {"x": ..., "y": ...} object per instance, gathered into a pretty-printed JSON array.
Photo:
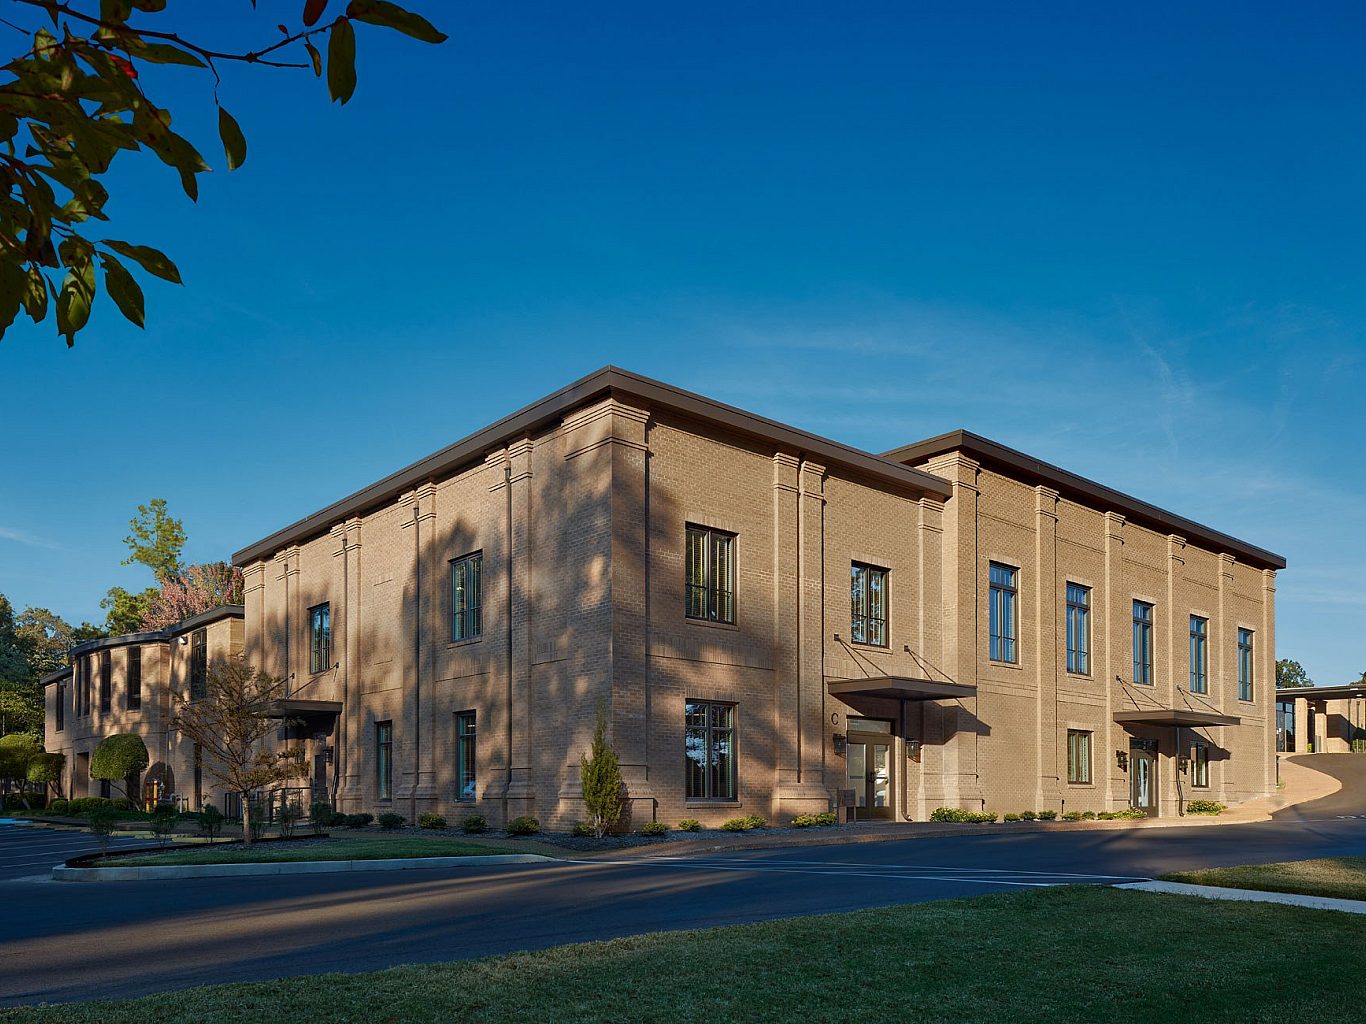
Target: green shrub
[
  {"x": 1072, "y": 816},
  {"x": 803, "y": 820},
  {"x": 102, "y": 819},
  {"x": 523, "y": 826},
  {"x": 1128, "y": 814},
  {"x": 754, "y": 821},
  {"x": 320, "y": 815},
  {"x": 359, "y": 820},
  {"x": 162, "y": 821},
  {"x": 604, "y": 792},
  {"x": 211, "y": 821},
  {"x": 981, "y": 817},
  {"x": 949, "y": 814},
  {"x": 475, "y": 823},
  {"x": 1088, "y": 815},
  {"x": 1012, "y": 816},
  {"x": 429, "y": 820},
  {"x": 735, "y": 825},
  {"x": 690, "y": 825},
  {"x": 389, "y": 822},
  {"x": 1048, "y": 815},
  {"x": 291, "y": 812},
  {"x": 1028, "y": 816},
  {"x": 25, "y": 802},
  {"x": 1205, "y": 807},
  {"x": 121, "y": 803},
  {"x": 808, "y": 820},
  {"x": 59, "y": 806},
  {"x": 654, "y": 828},
  {"x": 85, "y": 804},
  {"x": 582, "y": 829}
]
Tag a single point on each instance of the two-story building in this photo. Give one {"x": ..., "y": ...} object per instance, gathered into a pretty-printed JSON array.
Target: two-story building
[{"x": 765, "y": 618}]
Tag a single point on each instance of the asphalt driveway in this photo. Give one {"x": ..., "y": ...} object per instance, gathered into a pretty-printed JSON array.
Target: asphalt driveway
[{"x": 27, "y": 851}]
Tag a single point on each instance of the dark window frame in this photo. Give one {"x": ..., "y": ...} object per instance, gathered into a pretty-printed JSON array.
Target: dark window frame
[
  {"x": 106, "y": 681},
  {"x": 198, "y": 669},
  {"x": 1078, "y": 617},
  {"x": 705, "y": 782},
  {"x": 132, "y": 691},
  {"x": 1247, "y": 669},
  {"x": 1144, "y": 670},
  {"x": 705, "y": 599},
  {"x": 467, "y": 597},
  {"x": 1200, "y": 766},
  {"x": 1079, "y": 753},
  {"x": 466, "y": 756},
  {"x": 1003, "y": 613},
  {"x": 1199, "y": 654},
  {"x": 384, "y": 760},
  {"x": 60, "y": 699},
  {"x": 320, "y": 638},
  {"x": 867, "y": 628}
]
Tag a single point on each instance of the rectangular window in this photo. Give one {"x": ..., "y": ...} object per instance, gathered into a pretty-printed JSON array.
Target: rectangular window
[
  {"x": 320, "y": 638},
  {"x": 384, "y": 760},
  {"x": 1245, "y": 673},
  {"x": 1143, "y": 643},
  {"x": 1078, "y": 629},
  {"x": 106, "y": 682},
  {"x": 711, "y": 575},
  {"x": 1199, "y": 654},
  {"x": 199, "y": 664},
  {"x": 1200, "y": 766},
  {"x": 868, "y": 600},
  {"x": 465, "y": 762},
  {"x": 1285, "y": 726},
  {"x": 1078, "y": 756},
  {"x": 709, "y": 750},
  {"x": 1001, "y": 616},
  {"x": 134, "y": 678},
  {"x": 61, "y": 706},
  {"x": 466, "y": 596}
]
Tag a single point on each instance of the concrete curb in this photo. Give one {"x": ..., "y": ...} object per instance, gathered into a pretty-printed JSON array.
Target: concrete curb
[
  {"x": 62, "y": 873},
  {"x": 1217, "y": 892}
]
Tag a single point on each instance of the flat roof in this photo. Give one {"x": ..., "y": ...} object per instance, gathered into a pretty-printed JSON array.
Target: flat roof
[
  {"x": 610, "y": 380},
  {"x": 996, "y": 455},
  {"x": 223, "y": 611},
  {"x": 1322, "y": 692}
]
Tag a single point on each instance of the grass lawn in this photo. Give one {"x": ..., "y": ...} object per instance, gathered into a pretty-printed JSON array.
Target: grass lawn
[
  {"x": 1339, "y": 877},
  {"x": 1076, "y": 954},
  {"x": 334, "y": 848}
]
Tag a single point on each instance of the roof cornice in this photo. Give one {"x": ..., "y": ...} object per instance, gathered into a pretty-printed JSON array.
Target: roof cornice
[{"x": 154, "y": 636}]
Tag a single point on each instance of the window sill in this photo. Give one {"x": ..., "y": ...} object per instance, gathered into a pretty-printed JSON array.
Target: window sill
[
  {"x": 464, "y": 643},
  {"x": 996, "y": 663},
  {"x": 712, "y": 803},
  {"x": 871, "y": 648},
  {"x": 1081, "y": 675},
  {"x": 709, "y": 624}
]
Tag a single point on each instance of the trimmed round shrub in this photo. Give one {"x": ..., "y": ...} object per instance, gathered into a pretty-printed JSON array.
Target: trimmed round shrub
[
  {"x": 1205, "y": 807},
  {"x": 1012, "y": 816},
  {"x": 390, "y": 822},
  {"x": 523, "y": 826},
  {"x": 654, "y": 828},
  {"x": 59, "y": 806},
  {"x": 754, "y": 821},
  {"x": 1048, "y": 815},
  {"x": 429, "y": 820},
  {"x": 736, "y": 825},
  {"x": 1072, "y": 816},
  {"x": 475, "y": 823},
  {"x": 690, "y": 825},
  {"x": 122, "y": 803},
  {"x": 581, "y": 829},
  {"x": 359, "y": 820}
]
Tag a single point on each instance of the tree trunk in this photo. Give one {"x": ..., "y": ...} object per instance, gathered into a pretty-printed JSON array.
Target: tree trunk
[{"x": 246, "y": 820}]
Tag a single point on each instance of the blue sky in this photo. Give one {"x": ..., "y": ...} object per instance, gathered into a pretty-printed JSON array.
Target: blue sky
[{"x": 1126, "y": 241}]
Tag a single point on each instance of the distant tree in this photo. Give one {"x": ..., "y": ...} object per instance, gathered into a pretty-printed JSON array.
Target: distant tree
[
  {"x": 17, "y": 751},
  {"x": 199, "y": 588},
  {"x": 1291, "y": 674},
  {"x": 77, "y": 96},
  {"x": 229, "y": 723},
  {"x": 13, "y": 661},
  {"x": 156, "y": 540},
  {"x": 41, "y": 639},
  {"x": 21, "y": 712},
  {"x": 46, "y": 769},
  {"x": 603, "y": 790},
  {"x": 121, "y": 757},
  {"x": 125, "y": 610}
]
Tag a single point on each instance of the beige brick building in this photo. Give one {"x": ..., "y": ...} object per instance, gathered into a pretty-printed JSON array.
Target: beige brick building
[
  {"x": 123, "y": 685},
  {"x": 766, "y": 618},
  {"x": 1321, "y": 719}
]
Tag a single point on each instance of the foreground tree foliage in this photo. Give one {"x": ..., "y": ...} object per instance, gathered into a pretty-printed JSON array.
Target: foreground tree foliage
[
  {"x": 75, "y": 99},
  {"x": 229, "y": 723}
]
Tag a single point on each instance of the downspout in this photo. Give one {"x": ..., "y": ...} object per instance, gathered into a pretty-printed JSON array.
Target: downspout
[
  {"x": 417, "y": 660},
  {"x": 1180, "y": 795},
  {"x": 507, "y": 541},
  {"x": 337, "y": 745},
  {"x": 654, "y": 803}
]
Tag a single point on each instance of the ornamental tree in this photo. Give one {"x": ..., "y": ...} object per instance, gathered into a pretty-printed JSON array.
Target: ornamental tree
[
  {"x": 604, "y": 793},
  {"x": 77, "y": 96},
  {"x": 46, "y": 769},
  {"x": 122, "y": 756},
  {"x": 198, "y": 588},
  {"x": 230, "y": 724}
]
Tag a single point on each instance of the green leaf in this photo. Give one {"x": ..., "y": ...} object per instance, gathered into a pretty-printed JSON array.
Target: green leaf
[
  {"x": 341, "y": 61},
  {"x": 13, "y": 280},
  {"x": 35, "y": 295},
  {"x": 154, "y": 261},
  {"x": 381, "y": 12},
  {"x": 73, "y": 302},
  {"x": 161, "y": 53},
  {"x": 115, "y": 10},
  {"x": 316, "y": 57},
  {"x": 125, "y": 292},
  {"x": 313, "y": 10},
  {"x": 234, "y": 142}
]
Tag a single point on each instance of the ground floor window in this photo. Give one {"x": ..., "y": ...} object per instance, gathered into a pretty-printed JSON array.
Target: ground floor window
[
  {"x": 1200, "y": 766},
  {"x": 1078, "y": 756},
  {"x": 465, "y": 786},
  {"x": 709, "y": 750},
  {"x": 384, "y": 759}
]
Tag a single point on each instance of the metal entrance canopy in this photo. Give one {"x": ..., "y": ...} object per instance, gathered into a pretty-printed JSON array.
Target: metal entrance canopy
[
  {"x": 1175, "y": 716},
  {"x": 900, "y": 688}
]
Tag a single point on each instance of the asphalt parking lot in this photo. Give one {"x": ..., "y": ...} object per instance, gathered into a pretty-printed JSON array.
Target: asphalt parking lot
[{"x": 26, "y": 850}]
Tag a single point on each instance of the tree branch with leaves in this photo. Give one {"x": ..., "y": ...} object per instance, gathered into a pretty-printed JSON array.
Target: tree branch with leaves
[{"x": 75, "y": 100}]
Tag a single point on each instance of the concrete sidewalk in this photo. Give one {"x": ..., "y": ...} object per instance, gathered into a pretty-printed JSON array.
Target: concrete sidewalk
[{"x": 1218, "y": 892}]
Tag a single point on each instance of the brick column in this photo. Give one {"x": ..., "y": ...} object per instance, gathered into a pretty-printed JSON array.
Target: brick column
[
  {"x": 1116, "y": 623},
  {"x": 786, "y": 718},
  {"x": 1048, "y": 790},
  {"x": 1265, "y": 679},
  {"x": 348, "y": 724}
]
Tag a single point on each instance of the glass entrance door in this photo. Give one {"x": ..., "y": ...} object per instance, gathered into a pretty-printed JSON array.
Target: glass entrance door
[
  {"x": 869, "y": 764},
  {"x": 1143, "y": 781}
]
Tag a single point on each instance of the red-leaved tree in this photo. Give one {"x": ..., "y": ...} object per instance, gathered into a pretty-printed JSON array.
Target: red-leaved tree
[{"x": 195, "y": 589}]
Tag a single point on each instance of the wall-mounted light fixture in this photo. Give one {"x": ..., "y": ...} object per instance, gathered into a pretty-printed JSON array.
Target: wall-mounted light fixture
[
  {"x": 1183, "y": 763},
  {"x": 913, "y": 750},
  {"x": 1122, "y": 759},
  {"x": 840, "y": 743}
]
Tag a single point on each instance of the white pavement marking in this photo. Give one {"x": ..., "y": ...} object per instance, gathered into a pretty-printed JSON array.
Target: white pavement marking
[{"x": 1214, "y": 892}]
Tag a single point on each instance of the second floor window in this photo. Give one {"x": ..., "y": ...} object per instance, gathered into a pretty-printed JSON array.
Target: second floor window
[
  {"x": 1001, "y": 613},
  {"x": 1199, "y": 654},
  {"x": 320, "y": 638},
  {"x": 134, "y": 678},
  {"x": 868, "y": 600},
  {"x": 61, "y": 706},
  {"x": 1245, "y": 671},
  {"x": 384, "y": 760},
  {"x": 1143, "y": 643},
  {"x": 106, "y": 682},
  {"x": 1078, "y": 629},
  {"x": 199, "y": 664},
  {"x": 466, "y": 596},
  {"x": 711, "y": 575}
]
